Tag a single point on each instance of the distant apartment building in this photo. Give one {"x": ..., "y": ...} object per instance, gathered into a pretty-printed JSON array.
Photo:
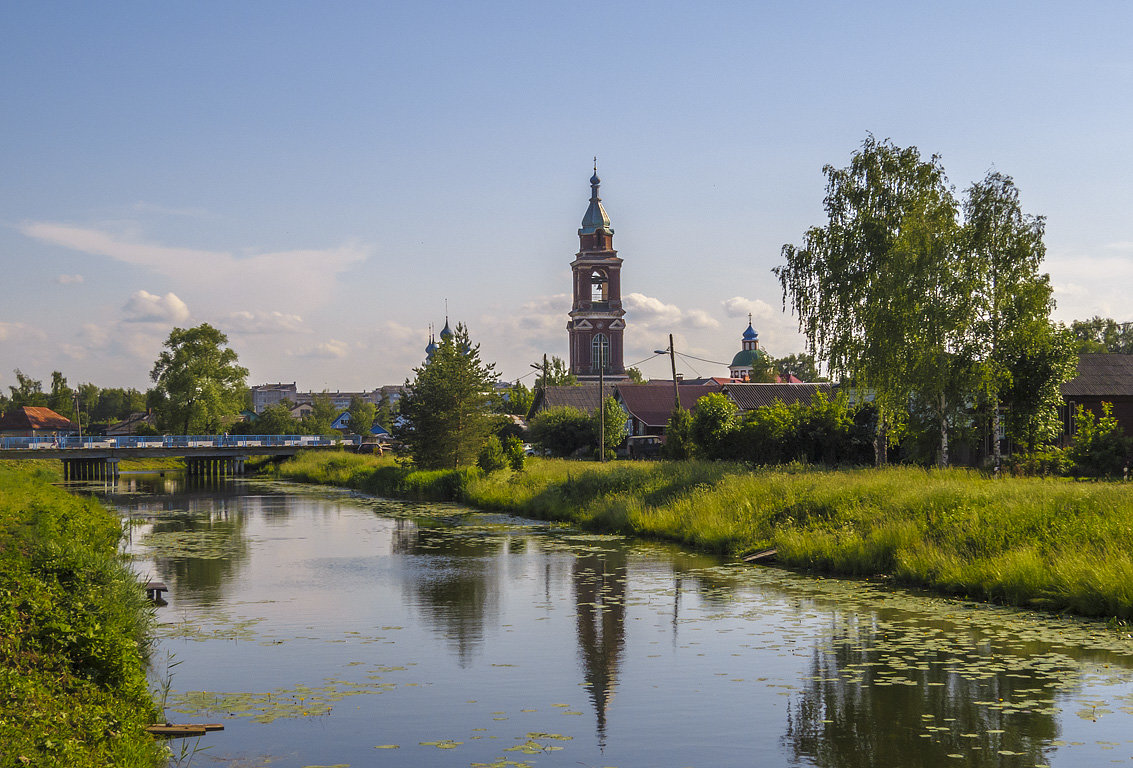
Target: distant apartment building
[{"x": 264, "y": 395}]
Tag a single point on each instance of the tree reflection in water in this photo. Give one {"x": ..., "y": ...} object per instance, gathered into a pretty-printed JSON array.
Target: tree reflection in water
[{"x": 886, "y": 693}]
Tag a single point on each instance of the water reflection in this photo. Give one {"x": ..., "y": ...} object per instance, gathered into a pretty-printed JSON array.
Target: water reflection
[{"x": 599, "y": 582}]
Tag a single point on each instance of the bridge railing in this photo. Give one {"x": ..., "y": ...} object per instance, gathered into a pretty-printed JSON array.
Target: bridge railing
[{"x": 174, "y": 441}]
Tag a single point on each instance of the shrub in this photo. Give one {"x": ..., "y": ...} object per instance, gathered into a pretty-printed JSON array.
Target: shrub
[
  {"x": 492, "y": 456},
  {"x": 1100, "y": 447},
  {"x": 513, "y": 450},
  {"x": 562, "y": 430}
]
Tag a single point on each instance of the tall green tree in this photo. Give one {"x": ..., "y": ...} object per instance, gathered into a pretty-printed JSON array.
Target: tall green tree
[
  {"x": 362, "y": 415},
  {"x": 1011, "y": 301},
  {"x": 27, "y": 392},
  {"x": 517, "y": 400},
  {"x": 614, "y": 418},
  {"x": 276, "y": 419},
  {"x": 198, "y": 382},
  {"x": 320, "y": 419},
  {"x": 562, "y": 430},
  {"x": 61, "y": 399},
  {"x": 802, "y": 366},
  {"x": 445, "y": 409},
  {"x": 558, "y": 373},
  {"x": 1103, "y": 334},
  {"x": 713, "y": 423},
  {"x": 866, "y": 286}
]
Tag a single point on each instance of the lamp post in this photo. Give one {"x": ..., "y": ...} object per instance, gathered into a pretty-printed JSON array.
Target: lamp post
[
  {"x": 672, "y": 359},
  {"x": 601, "y": 404},
  {"x": 78, "y": 416}
]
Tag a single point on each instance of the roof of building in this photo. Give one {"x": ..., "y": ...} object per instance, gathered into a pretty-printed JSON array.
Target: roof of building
[
  {"x": 748, "y": 397},
  {"x": 34, "y": 418},
  {"x": 652, "y": 404},
  {"x": 750, "y": 334},
  {"x": 1101, "y": 375},
  {"x": 130, "y": 424},
  {"x": 596, "y": 218},
  {"x": 746, "y": 358},
  {"x": 584, "y": 397}
]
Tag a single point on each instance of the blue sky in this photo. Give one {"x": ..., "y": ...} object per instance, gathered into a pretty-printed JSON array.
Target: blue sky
[{"x": 316, "y": 179}]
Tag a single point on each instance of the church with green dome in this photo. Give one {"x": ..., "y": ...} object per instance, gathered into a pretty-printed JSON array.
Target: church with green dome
[{"x": 750, "y": 361}]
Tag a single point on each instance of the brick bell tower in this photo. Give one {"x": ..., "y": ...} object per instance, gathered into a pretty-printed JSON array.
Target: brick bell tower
[{"x": 596, "y": 325}]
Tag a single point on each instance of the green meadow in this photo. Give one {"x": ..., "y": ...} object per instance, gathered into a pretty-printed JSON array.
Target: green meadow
[
  {"x": 74, "y": 632},
  {"x": 1052, "y": 544}
]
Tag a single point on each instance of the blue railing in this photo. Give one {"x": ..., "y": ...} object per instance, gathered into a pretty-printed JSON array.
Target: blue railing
[{"x": 174, "y": 441}]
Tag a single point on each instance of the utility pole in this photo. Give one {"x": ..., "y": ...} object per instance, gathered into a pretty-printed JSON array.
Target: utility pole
[
  {"x": 601, "y": 404},
  {"x": 673, "y": 360},
  {"x": 78, "y": 417}
]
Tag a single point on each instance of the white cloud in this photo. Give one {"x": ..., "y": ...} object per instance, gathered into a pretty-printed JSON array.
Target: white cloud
[
  {"x": 1086, "y": 284},
  {"x": 145, "y": 307},
  {"x": 69, "y": 279},
  {"x": 262, "y": 322},
  {"x": 258, "y": 279},
  {"x": 698, "y": 318},
  {"x": 20, "y": 332},
  {"x": 331, "y": 349},
  {"x": 738, "y": 306},
  {"x": 1122, "y": 245},
  {"x": 650, "y": 312}
]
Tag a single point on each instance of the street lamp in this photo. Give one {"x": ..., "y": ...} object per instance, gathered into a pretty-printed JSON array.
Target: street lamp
[{"x": 672, "y": 359}]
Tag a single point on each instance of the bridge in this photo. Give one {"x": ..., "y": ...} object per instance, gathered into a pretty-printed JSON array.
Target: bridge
[{"x": 96, "y": 457}]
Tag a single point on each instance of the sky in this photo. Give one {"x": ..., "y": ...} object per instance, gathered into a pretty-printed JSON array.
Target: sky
[{"x": 320, "y": 180}]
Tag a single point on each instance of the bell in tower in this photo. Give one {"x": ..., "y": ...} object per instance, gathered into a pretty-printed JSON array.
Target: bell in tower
[{"x": 596, "y": 320}]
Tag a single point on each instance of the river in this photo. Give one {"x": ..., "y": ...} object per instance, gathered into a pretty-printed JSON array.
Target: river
[{"x": 325, "y": 628}]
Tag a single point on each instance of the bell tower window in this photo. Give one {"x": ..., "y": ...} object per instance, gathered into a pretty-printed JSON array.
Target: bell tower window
[
  {"x": 599, "y": 353},
  {"x": 599, "y": 288}
]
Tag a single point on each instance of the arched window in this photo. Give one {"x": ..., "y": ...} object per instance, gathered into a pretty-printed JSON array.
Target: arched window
[
  {"x": 599, "y": 353},
  {"x": 599, "y": 286}
]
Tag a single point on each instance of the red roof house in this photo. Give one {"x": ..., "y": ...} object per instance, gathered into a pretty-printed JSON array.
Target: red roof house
[{"x": 35, "y": 422}]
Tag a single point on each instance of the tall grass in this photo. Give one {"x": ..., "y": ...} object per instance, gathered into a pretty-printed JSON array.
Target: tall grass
[
  {"x": 74, "y": 633},
  {"x": 1053, "y": 544}
]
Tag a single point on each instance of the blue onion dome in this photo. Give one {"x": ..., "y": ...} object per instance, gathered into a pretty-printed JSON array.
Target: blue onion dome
[
  {"x": 446, "y": 332},
  {"x": 750, "y": 334},
  {"x": 431, "y": 348},
  {"x": 594, "y": 180}
]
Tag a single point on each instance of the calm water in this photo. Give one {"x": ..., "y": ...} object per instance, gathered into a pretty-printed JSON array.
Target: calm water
[{"x": 324, "y": 629}]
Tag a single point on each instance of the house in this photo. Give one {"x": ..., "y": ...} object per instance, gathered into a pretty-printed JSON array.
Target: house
[
  {"x": 749, "y": 396},
  {"x": 1102, "y": 378},
  {"x": 130, "y": 424},
  {"x": 650, "y": 405},
  {"x": 35, "y": 422},
  {"x": 583, "y": 397}
]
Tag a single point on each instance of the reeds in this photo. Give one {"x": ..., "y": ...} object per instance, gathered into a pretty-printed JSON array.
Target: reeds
[{"x": 1054, "y": 544}]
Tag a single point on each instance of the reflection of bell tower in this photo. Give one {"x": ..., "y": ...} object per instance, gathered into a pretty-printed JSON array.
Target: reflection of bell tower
[
  {"x": 600, "y": 615},
  {"x": 596, "y": 323}
]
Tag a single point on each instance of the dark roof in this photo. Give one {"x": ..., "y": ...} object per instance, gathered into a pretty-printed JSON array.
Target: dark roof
[
  {"x": 652, "y": 404},
  {"x": 1101, "y": 375},
  {"x": 748, "y": 397},
  {"x": 26, "y": 418},
  {"x": 130, "y": 424},
  {"x": 583, "y": 397}
]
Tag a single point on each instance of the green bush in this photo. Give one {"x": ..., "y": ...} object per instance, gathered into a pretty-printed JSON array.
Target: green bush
[
  {"x": 562, "y": 431},
  {"x": 74, "y": 634},
  {"x": 513, "y": 450},
  {"x": 491, "y": 456},
  {"x": 1100, "y": 447}
]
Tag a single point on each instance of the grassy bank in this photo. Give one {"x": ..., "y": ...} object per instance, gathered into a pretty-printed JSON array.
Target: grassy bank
[
  {"x": 1046, "y": 543},
  {"x": 74, "y": 629}
]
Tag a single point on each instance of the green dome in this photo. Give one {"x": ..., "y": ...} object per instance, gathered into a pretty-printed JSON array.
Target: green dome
[{"x": 748, "y": 358}]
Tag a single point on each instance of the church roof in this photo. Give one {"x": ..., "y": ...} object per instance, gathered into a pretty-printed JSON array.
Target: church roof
[
  {"x": 748, "y": 397},
  {"x": 750, "y": 334},
  {"x": 596, "y": 218},
  {"x": 446, "y": 332},
  {"x": 748, "y": 357}
]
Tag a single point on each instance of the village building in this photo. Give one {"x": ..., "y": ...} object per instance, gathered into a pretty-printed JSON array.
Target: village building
[
  {"x": 748, "y": 396},
  {"x": 1101, "y": 378},
  {"x": 29, "y": 421},
  {"x": 650, "y": 406},
  {"x": 597, "y": 323}
]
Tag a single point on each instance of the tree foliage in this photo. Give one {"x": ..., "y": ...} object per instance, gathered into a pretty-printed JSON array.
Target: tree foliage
[
  {"x": 562, "y": 430},
  {"x": 362, "y": 414},
  {"x": 517, "y": 400},
  {"x": 871, "y": 288},
  {"x": 679, "y": 444},
  {"x": 27, "y": 392},
  {"x": 320, "y": 419},
  {"x": 1103, "y": 334},
  {"x": 615, "y": 419},
  {"x": 198, "y": 383},
  {"x": 445, "y": 415},
  {"x": 1100, "y": 447},
  {"x": 802, "y": 366},
  {"x": 712, "y": 424}
]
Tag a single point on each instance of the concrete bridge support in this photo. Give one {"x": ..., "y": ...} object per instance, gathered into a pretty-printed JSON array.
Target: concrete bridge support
[
  {"x": 215, "y": 466},
  {"x": 90, "y": 469}
]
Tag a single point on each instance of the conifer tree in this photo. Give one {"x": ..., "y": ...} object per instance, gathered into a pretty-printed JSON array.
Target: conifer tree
[{"x": 445, "y": 413}]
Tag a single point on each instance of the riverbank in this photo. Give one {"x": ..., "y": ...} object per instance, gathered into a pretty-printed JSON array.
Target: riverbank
[
  {"x": 74, "y": 633},
  {"x": 1051, "y": 544}
]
